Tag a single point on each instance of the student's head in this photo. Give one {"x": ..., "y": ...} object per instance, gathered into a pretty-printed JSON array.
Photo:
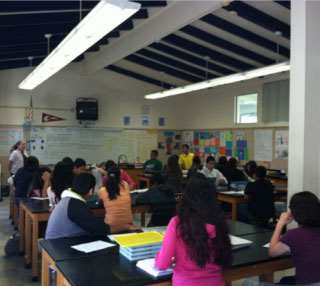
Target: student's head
[
  {"x": 233, "y": 163},
  {"x": 223, "y": 161},
  {"x": 113, "y": 182},
  {"x": 250, "y": 167},
  {"x": 185, "y": 148},
  {"x": 260, "y": 173},
  {"x": 79, "y": 166},
  {"x": 32, "y": 163},
  {"x": 305, "y": 209},
  {"x": 109, "y": 164},
  {"x": 198, "y": 208},
  {"x": 37, "y": 181},
  {"x": 196, "y": 162},
  {"x": 62, "y": 178},
  {"x": 68, "y": 161},
  {"x": 210, "y": 162},
  {"x": 21, "y": 145},
  {"x": 154, "y": 155},
  {"x": 173, "y": 168},
  {"x": 84, "y": 184}
]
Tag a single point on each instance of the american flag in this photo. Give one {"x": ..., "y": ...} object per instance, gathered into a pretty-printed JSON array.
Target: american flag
[{"x": 30, "y": 113}]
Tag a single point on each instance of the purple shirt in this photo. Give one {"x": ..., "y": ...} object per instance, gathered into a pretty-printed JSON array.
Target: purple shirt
[{"x": 304, "y": 243}]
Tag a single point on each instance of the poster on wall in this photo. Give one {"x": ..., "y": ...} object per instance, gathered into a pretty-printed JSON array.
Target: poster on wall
[
  {"x": 282, "y": 145},
  {"x": 187, "y": 138},
  {"x": 263, "y": 145}
]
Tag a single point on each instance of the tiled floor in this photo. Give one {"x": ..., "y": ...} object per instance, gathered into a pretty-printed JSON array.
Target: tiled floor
[{"x": 12, "y": 271}]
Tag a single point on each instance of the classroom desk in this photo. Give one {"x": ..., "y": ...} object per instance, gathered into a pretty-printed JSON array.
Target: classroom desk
[
  {"x": 234, "y": 200},
  {"x": 239, "y": 228},
  {"x": 146, "y": 179},
  {"x": 32, "y": 212},
  {"x": 113, "y": 269}
]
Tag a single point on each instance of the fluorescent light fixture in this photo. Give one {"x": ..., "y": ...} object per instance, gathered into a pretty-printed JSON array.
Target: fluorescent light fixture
[
  {"x": 104, "y": 17},
  {"x": 285, "y": 66}
]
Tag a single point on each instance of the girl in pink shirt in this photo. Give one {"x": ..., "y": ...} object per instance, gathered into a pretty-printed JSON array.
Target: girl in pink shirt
[{"x": 197, "y": 239}]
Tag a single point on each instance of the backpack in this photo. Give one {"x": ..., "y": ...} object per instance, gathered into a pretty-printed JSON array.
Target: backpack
[{"x": 12, "y": 245}]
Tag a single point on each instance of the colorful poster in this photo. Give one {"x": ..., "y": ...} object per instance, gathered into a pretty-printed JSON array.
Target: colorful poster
[
  {"x": 168, "y": 133},
  {"x": 235, "y": 152},
  {"x": 218, "y": 142},
  {"x": 196, "y": 141},
  {"x": 217, "y": 134},
  {"x": 229, "y": 152},
  {"x": 207, "y": 150},
  {"x": 213, "y": 141},
  {"x": 223, "y": 151},
  {"x": 223, "y": 139},
  {"x": 196, "y": 149},
  {"x": 207, "y": 135},
  {"x": 161, "y": 121},
  {"x": 196, "y": 134},
  {"x": 241, "y": 135},
  {"x": 202, "y": 135},
  {"x": 207, "y": 142},
  {"x": 242, "y": 144},
  {"x": 187, "y": 138},
  {"x": 201, "y": 143},
  {"x": 212, "y": 149},
  {"x": 229, "y": 136},
  {"x": 246, "y": 154},
  {"x": 229, "y": 144},
  {"x": 282, "y": 145},
  {"x": 241, "y": 154}
]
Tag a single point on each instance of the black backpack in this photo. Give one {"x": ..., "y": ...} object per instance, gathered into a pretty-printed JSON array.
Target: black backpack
[{"x": 12, "y": 245}]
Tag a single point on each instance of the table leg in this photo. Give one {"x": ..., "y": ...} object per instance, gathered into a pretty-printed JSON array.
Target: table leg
[
  {"x": 234, "y": 210},
  {"x": 35, "y": 236},
  {"x": 61, "y": 280},
  {"x": 28, "y": 240},
  {"x": 143, "y": 219},
  {"x": 45, "y": 271},
  {"x": 11, "y": 202},
  {"x": 268, "y": 278},
  {"x": 21, "y": 228}
]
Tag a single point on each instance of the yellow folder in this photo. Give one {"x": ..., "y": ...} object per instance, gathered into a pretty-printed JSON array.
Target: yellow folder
[{"x": 136, "y": 239}]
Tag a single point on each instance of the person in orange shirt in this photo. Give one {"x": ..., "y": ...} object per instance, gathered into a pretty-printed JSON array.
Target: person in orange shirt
[{"x": 116, "y": 199}]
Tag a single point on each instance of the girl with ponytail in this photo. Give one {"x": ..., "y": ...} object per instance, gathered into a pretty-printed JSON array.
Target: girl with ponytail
[{"x": 115, "y": 196}]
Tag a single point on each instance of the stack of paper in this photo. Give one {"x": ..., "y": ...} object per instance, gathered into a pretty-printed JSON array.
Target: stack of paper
[
  {"x": 238, "y": 242},
  {"x": 148, "y": 266},
  {"x": 138, "y": 246}
]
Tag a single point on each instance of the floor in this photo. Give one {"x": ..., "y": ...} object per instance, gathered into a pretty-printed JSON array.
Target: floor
[{"x": 13, "y": 273}]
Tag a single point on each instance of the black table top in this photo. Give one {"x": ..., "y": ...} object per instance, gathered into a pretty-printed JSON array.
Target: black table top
[
  {"x": 60, "y": 249},
  {"x": 238, "y": 228},
  {"x": 113, "y": 269}
]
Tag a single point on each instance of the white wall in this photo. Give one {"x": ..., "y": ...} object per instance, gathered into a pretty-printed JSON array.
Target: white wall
[{"x": 122, "y": 96}]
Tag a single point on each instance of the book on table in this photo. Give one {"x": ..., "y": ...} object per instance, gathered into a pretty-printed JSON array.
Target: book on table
[
  {"x": 238, "y": 242},
  {"x": 148, "y": 266}
]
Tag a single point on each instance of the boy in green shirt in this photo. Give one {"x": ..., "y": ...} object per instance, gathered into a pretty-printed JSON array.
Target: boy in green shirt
[{"x": 154, "y": 165}]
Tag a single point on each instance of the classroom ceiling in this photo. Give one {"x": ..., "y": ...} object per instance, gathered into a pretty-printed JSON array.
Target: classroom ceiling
[{"x": 237, "y": 37}]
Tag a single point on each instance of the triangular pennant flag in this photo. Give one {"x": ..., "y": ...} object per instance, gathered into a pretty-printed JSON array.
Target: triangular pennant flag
[{"x": 49, "y": 118}]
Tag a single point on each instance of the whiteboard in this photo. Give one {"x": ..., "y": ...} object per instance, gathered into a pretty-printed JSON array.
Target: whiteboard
[
  {"x": 8, "y": 137},
  {"x": 50, "y": 145}
]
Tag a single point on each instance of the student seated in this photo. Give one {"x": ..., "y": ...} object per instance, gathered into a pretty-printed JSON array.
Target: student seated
[
  {"x": 197, "y": 239},
  {"x": 24, "y": 177},
  {"x": 196, "y": 166},
  {"x": 62, "y": 178},
  {"x": 79, "y": 166},
  {"x": 259, "y": 196},
  {"x": 116, "y": 199},
  {"x": 185, "y": 159},
  {"x": 40, "y": 183},
  {"x": 124, "y": 175},
  {"x": 303, "y": 242},
  {"x": 173, "y": 175},
  {"x": 249, "y": 170},
  {"x": 213, "y": 174},
  {"x": 162, "y": 201},
  {"x": 232, "y": 171},
  {"x": 153, "y": 165},
  {"x": 222, "y": 165}
]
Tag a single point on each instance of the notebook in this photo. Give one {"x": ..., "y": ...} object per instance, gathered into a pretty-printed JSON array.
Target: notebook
[
  {"x": 138, "y": 239},
  {"x": 147, "y": 265},
  {"x": 238, "y": 242},
  {"x": 92, "y": 246}
]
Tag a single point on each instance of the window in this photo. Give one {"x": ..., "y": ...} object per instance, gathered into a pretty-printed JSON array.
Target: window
[{"x": 247, "y": 108}]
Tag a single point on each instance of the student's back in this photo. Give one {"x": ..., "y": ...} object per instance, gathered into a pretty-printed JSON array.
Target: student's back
[
  {"x": 197, "y": 238},
  {"x": 163, "y": 204},
  {"x": 260, "y": 203}
]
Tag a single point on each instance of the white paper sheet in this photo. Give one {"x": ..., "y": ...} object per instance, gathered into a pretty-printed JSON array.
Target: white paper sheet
[
  {"x": 263, "y": 145},
  {"x": 238, "y": 242},
  {"x": 147, "y": 265},
  {"x": 92, "y": 246}
]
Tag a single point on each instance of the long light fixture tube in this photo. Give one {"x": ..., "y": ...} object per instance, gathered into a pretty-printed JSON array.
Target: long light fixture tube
[
  {"x": 264, "y": 71},
  {"x": 104, "y": 17}
]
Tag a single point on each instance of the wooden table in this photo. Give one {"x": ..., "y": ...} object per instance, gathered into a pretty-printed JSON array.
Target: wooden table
[
  {"x": 234, "y": 200},
  {"x": 32, "y": 212},
  {"x": 114, "y": 269},
  {"x": 146, "y": 179}
]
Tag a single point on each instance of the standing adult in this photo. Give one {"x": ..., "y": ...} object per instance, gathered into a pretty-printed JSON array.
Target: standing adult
[
  {"x": 186, "y": 158},
  {"x": 17, "y": 157}
]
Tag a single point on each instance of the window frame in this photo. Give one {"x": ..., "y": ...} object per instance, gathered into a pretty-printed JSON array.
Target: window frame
[{"x": 236, "y": 108}]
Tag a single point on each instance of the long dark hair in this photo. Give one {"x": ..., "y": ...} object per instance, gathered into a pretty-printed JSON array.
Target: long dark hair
[
  {"x": 113, "y": 182},
  {"x": 62, "y": 178},
  {"x": 305, "y": 209},
  {"x": 199, "y": 207},
  {"x": 173, "y": 169},
  {"x": 37, "y": 180},
  {"x": 250, "y": 168}
]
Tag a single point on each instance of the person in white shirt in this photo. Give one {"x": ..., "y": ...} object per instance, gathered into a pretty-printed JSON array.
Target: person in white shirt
[
  {"x": 16, "y": 159},
  {"x": 210, "y": 172}
]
